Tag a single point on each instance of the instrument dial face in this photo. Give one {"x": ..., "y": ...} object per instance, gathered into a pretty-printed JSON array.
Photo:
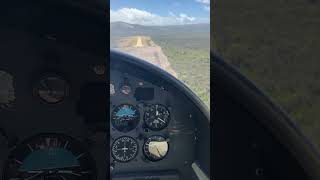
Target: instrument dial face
[
  {"x": 125, "y": 118},
  {"x": 155, "y": 148},
  {"x": 124, "y": 149},
  {"x": 126, "y": 89},
  {"x": 50, "y": 156},
  {"x": 156, "y": 117},
  {"x": 52, "y": 89}
]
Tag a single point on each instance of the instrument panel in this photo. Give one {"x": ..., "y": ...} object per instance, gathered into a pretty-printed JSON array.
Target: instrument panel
[
  {"x": 139, "y": 120},
  {"x": 154, "y": 127},
  {"x": 53, "y": 117},
  {"x": 49, "y": 156}
]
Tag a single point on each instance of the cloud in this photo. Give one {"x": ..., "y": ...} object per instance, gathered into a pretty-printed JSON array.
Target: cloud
[
  {"x": 207, "y": 8},
  {"x": 203, "y": 1},
  {"x": 136, "y": 16},
  {"x": 206, "y": 4},
  {"x": 182, "y": 18}
]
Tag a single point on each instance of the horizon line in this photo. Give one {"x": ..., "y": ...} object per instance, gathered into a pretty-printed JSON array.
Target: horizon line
[{"x": 160, "y": 25}]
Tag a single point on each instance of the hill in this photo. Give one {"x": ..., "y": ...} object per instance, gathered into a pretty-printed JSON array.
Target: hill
[
  {"x": 192, "y": 35},
  {"x": 185, "y": 46}
]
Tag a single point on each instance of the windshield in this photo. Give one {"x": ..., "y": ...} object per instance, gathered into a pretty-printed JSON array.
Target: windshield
[
  {"x": 275, "y": 44},
  {"x": 173, "y": 35}
]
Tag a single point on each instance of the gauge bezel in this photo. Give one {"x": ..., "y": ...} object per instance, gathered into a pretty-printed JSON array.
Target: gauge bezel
[
  {"x": 36, "y": 87},
  {"x": 138, "y": 118},
  {"x": 121, "y": 89},
  {"x": 75, "y": 141},
  {"x": 149, "y": 139},
  {"x": 136, "y": 153},
  {"x": 167, "y": 122}
]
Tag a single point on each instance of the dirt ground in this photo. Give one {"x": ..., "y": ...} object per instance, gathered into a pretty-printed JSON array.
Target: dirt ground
[{"x": 144, "y": 48}]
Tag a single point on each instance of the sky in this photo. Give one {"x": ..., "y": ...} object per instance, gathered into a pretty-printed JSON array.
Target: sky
[{"x": 160, "y": 12}]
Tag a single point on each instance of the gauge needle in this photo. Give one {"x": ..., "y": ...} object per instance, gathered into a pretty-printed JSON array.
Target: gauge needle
[
  {"x": 63, "y": 177},
  {"x": 68, "y": 172},
  {"x": 36, "y": 175},
  {"x": 159, "y": 153},
  {"x": 37, "y": 171},
  {"x": 51, "y": 171},
  {"x": 161, "y": 120}
]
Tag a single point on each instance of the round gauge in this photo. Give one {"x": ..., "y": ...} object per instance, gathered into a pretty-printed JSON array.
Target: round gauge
[
  {"x": 156, "y": 117},
  {"x": 124, "y": 149},
  {"x": 125, "y": 117},
  {"x": 99, "y": 69},
  {"x": 50, "y": 156},
  {"x": 125, "y": 89},
  {"x": 52, "y": 89},
  {"x": 155, "y": 148}
]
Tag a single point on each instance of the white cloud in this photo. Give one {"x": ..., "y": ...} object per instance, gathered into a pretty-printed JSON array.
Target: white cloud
[
  {"x": 136, "y": 16},
  {"x": 207, "y": 8},
  {"x": 206, "y": 4},
  {"x": 203, "y": 1}
]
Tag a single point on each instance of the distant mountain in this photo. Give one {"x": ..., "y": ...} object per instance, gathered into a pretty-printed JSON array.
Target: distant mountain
[
  {"x": 125, "y": 29},
  {"x": 198, "y": 33}
]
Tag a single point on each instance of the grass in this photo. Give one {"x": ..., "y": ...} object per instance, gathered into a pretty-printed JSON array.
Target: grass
[
  {"x": 187, "y": 48},
  {"x": 192, "y": 66},
  {"x": 276, "y": 44}
]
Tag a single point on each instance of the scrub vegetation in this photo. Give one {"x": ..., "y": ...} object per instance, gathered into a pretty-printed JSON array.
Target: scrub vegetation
[
  {"x": 276, "y": 45},
  {"x": 187, "y": 48},
  {"x": 192, "y": 66}
]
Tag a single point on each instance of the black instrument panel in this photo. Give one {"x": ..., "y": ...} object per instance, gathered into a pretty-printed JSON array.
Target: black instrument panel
[
  {"x": 142, "y": 116},
  {"x": 153, "y": 126},
  {"x": 50, "y": 155},
  {"x": 47, "y": 130}
]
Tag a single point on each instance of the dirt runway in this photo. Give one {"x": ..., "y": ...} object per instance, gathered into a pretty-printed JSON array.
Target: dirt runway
[{"x": 144, "y": 48}]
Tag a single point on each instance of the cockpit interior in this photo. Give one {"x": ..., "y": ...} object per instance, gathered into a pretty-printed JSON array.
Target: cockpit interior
[
  {"x": 58, "y": 121},
  {"x": 158, "y": 127}
]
